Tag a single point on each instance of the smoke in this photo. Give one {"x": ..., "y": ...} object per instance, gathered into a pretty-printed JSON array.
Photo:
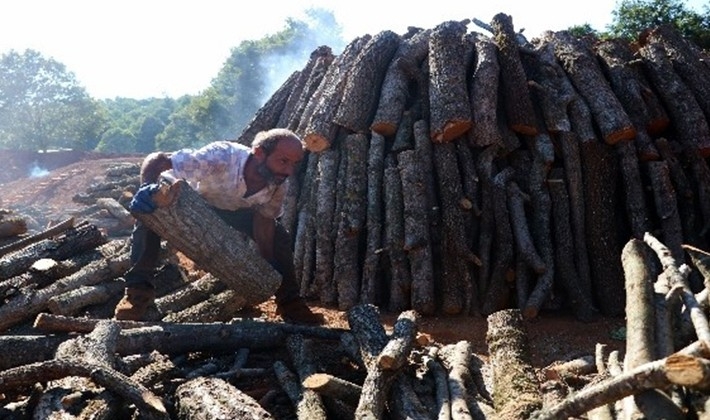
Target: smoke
[{"x": 37, "y": 171}]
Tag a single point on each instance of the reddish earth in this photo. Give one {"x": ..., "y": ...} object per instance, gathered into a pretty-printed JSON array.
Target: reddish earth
[{"x": 553, "y": 336}]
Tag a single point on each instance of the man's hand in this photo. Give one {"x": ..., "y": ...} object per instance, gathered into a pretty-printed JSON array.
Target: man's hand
[{"x": 142, "y": 201}]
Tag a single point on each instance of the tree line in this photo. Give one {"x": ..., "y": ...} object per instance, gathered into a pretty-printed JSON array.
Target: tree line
[{"x": 43, "y": 106}]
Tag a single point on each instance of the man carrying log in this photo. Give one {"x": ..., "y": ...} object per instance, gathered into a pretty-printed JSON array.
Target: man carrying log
[{"x": 245, "y": 187}]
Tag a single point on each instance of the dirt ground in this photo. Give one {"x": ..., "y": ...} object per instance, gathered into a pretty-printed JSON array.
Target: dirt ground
[{"x": 553, "y": 336}]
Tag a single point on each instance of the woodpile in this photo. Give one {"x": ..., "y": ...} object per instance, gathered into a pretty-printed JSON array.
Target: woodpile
[
  {"x": 494, "y": 172},
  {"x": 449, "y": 172}
]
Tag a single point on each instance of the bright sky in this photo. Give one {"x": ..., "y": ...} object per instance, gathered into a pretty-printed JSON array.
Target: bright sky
[{"x": 156, "y": 48}]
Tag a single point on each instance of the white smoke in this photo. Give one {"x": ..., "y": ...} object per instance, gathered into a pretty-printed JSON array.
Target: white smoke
[{"x": 37, "y": 171}]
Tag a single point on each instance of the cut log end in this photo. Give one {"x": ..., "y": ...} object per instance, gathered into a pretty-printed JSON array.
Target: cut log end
[
  {"x": 452, "y": 130},
  {"x": 316, "y": 142},
  {"x": 385, "y": 129},
  {"x": 526, "y": 130},
  {"x": 167, "y": 194},
  {"x": 626, "y": 133}
]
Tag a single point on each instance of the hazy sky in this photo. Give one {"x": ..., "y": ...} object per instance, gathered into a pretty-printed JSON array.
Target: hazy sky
[{"x": 146, "y": 48}]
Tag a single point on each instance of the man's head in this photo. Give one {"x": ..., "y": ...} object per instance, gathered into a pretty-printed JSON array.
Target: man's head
[{"x": 278, "y": 153}]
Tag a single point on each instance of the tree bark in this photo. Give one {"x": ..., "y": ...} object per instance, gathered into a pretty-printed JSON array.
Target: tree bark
[
  {"x": 483, "y": 94},
  {"x": 206, "y": 398}
]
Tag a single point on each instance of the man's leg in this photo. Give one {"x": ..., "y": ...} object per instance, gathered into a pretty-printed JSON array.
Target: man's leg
[
  {"x": 140, "y": 292},
  {"x": 288, "y": 298}
]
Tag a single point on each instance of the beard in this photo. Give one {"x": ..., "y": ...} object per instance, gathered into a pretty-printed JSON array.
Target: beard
[{"x": 270, "y": 176}]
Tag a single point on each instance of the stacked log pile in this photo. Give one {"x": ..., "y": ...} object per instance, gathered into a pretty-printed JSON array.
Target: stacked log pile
[{"x": 461, "y": 173}]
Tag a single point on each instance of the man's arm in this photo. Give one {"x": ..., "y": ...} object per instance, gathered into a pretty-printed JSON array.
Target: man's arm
[
  {"x": 153, "y": 165},
  {"x": 263, "y": 232}
]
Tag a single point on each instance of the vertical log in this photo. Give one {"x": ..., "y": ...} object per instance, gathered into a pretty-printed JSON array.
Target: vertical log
[
  {"x": 483, "y": 94},
  {"x": 448, "y": 94},
  {"x": 634, "y": 194},
  {"x": 516, "y": 96},
  {"x": 362, "y": 89},
  {"x": 400, "y": 278},
  {"x": 328, "y": 163},
  {"x": 371, "y": 288},
  {"x": 666, "y": 207},
  {"x": 304, "y": 240},
  {"x": 486, "y": 170},
  {"x": 351, "y": 220}
]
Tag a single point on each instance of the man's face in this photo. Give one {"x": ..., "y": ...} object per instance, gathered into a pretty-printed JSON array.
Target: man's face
[{"x": 281, "y": 163}]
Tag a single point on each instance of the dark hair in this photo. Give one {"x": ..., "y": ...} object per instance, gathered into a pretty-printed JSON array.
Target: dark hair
[{"x": 268, "y": 139}]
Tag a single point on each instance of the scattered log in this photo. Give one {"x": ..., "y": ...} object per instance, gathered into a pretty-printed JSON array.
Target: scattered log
[
  {"x": 332, "y": 386},
  {"x": 208, "y": 398},
  {"x": 222, "y": 306},
  {"x": 185, "y": 220}
]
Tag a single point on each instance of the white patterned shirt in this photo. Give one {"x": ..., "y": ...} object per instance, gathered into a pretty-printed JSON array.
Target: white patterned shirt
[{"x": 216, "y": 172}]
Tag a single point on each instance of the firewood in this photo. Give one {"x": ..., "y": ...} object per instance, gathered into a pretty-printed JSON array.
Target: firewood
[
  {"x": 396, "y": 352},
  {"x": 416, "y": 233},
  {"x": 362, "y": 89},
  {"x": 208, "y": 398},
  {"x": 633, "y": 90},
  {"x": 498, "y": 291},
  {"x": 223, "y": 306},
  {"x": 159, "y": 370},
  {"x": 333, "y": 386},
  {"x": 599, "y": 166},
  {"x": 700, "y": 259},
  {"x": 647, "y": 376},
  {"x": 305, "y": 230},
  {"x": 12, "y": 226},
  {"x": 640, "y": 320},
  {"x": 637, "y": 213},
  {"x": 700, "y": 172},
  {"x": 516, "y": 96},
  {"x": 441, "y": 379},
  {"x": 307, "y": 406},
  {"x": 350, "y": 220},
  {"x": 185, "y": 220},
  {"x": 116, "y": 210},
  {"x": 516, "y": 391},
  {"x": 366, "y": 326},
  {"x": 29, "y": 305},
  {"x": 308, "y": 81},
  {"x": 677, "y": 277},
  {"x": 268, "y": 115},
  {"x": 689, "y": 123},
  {"x": 404, "y": 401},
  {"x": 540, "y": 222},
  {"x": 486, "y": 168},
  {"x": 325, "y": 214},
  {"x": 303, "y": 356},
  {"x": 370, "y": 290},
  {"x": 483, "y": 94},
  {"x": 581, "y": 66},
  {"x": 395, "y": 89},
  {"x": 580, "y": 302},
  {"x": 317, "y": 127},
  {"x": 71, "y": 241},
  {"x": 456, "y": 256},
  {"x": 688, "y": 61},
  {"x": 455, "y": 358},
  {"x": 400, "y": 274},
  {"x": 71, "y": 301},
  {"x": 666, "y": 207},
  {"x": 190, "y": 294},
  {"x": 448, "y": 94},
  {"x": 522, "y": 236}
]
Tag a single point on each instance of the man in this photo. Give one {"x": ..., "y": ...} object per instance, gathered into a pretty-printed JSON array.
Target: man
[{"x": 245, "y": 186}]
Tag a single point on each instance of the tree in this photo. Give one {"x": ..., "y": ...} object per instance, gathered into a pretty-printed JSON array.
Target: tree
[
  {"x": 42, "y": 105},
  {"x": 632, "y": 17}
]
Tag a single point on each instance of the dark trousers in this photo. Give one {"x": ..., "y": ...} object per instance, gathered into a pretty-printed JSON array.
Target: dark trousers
[{"x": 145, "y": 251}]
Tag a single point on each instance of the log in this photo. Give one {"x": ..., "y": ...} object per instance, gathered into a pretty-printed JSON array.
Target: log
[
  {"x": 317, "y": 127},
  {"x": 306, "y": 408},
  {"x": 516, "y": 392},
  {"x": 45, "y": 234},
  {"x": 308, "y": 80},
  {"x": 399, "y": 78},
  {"x": 362, "y": 89},
  {"x": 185, "y": 220},
  {"x": 325, "y": 231},
  {"x": 635, "y": 198},
  {"x": 514, "y": 84},
  {"x": 396, "y": 352},
  {"x": 483, "y": 94},
  {"x": 582, "y": 67},
  {"x": 190, "y": 294},
  {"x": 647, "y": 376},
  {"x": 303, "y": 356},
  {"x": 394, "y": 241},
  {"x": 73, "y": 241},
  {"x": 666, "y": 207},
  {"x": 689, "y": 123},
  {"x": 328, "y": 385},
  {"x": 448, "y": 93},
  {"x": 72, "y": 301},
  {"x": 549, "y": 86},
  {"x": 305, "y": 239},
  {"x": 223, "y": 306},
  {"x": 12, "y": 226},
  {"x": 208, "y": 398},
  {"x": 370, "y": 288},
  {"x": 350, "y": 220}
]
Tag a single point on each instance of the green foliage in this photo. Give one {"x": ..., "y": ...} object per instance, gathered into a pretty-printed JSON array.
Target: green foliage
[
  {"x": 42, "y": 105},
  {"x": 582, "y": 30},
  {"x": 632, "y": 17},
  {"x": 143, "y": 119}
]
